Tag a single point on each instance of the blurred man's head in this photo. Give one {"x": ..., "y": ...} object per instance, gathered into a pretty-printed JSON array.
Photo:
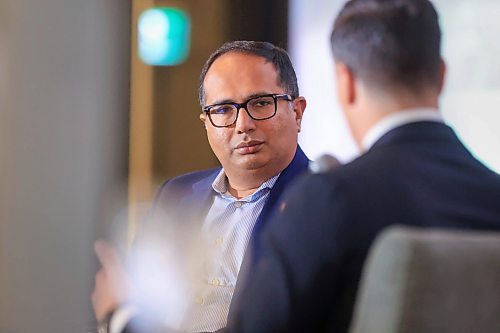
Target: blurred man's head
[
  {"x": 389, "y": 43},
  {"x": 387, "y": 50},
  {"x": 251, "y": 109}
]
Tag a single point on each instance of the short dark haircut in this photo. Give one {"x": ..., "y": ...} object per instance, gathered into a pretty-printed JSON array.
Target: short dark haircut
[
  {"x": 271, "y": 53},
  {"x": 389, "y": 43}
]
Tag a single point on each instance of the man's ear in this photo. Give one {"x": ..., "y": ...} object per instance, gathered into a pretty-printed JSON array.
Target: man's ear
[
  {"x": 442, "y": 75},
  {"x": 345, "y": 84},
  {"x": 203, "y": 118},
  {"x": 299, "y": 106}
]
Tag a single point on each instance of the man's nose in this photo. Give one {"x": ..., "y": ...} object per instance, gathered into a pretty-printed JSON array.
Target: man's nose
[{"x": 245, "y": 123}]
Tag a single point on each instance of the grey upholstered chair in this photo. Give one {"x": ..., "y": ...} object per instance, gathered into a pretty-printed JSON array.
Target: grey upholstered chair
[{"x": 430, "y": 281}]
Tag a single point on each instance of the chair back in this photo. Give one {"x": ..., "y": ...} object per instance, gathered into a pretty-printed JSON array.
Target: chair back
[{"x": 430, "y": 281}]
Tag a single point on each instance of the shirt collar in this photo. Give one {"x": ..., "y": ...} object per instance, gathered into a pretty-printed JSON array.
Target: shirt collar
[
  {"x": 398, "y": 119},
  {"x": 220, "y": 184}
]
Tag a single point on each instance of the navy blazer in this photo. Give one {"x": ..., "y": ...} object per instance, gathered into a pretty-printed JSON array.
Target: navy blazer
[
  {"x": 307, "y": 274},
  {"x": 192, "y": 194},
  {"x": 190, "y": 197}
]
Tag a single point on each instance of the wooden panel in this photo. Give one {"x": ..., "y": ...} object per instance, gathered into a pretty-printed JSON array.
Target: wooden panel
[
  {"x": 141, "y": 128},
  {"x": 180, "y": 143}
]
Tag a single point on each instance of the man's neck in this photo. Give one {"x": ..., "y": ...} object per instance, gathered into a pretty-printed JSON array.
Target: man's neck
[
  {"x": 241, "y": 193},
  {"x": 380, "y": 107},
  {"x": 397, "y": 119},
  {"x": 244, "y": 183}
]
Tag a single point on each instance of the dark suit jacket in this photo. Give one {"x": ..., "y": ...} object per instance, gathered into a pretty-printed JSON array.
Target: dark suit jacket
[
  {"x": 307, "y": 274},
  {"x": 189, "y": 198}
]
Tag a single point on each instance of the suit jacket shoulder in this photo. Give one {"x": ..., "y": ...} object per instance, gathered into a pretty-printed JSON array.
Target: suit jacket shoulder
[{"x": 173, "y": 190}]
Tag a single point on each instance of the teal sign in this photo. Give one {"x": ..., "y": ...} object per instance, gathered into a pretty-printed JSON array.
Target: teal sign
[{"x": 164, "y": 36}]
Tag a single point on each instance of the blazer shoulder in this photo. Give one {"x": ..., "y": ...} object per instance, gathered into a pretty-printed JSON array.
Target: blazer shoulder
[
  {"x": 191, "y": 178},
  {"x": 183, "y": 184}
]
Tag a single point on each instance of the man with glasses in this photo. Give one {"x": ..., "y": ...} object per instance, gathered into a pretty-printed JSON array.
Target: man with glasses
[{"x": 252, "y": 113}]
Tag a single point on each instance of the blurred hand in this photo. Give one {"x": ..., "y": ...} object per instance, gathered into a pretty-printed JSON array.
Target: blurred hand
[{"x": 110, "y": 281}]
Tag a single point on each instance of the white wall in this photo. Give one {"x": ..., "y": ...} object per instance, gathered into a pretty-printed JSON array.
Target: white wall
[
  {"x": 471, "y": 48},
  {"x": 63, "y": 151},
  {"x": 470, "y": 102},
  {"x": 324, "y": 128}
]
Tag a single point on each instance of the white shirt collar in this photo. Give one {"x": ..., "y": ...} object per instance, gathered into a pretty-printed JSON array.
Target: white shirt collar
[
  {"x": 398, "y": 119},
  {"x": 220, "y": 183}
]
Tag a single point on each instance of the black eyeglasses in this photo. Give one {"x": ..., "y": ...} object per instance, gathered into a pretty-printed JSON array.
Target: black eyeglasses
[{"x": 258, "y": 108}]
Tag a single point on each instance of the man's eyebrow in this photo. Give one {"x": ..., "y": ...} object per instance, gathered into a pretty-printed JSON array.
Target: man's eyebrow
[
  {"x": 222, "y": 101},
  {"x": 231, "y": 101},
  {"x": 258, "y": 94}
]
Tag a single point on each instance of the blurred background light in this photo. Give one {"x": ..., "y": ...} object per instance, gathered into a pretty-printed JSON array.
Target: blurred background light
[{"x": 164, "y": 36}]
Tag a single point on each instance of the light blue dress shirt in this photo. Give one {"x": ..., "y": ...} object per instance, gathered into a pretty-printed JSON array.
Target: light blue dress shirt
[{"x": 226, "y": 233}]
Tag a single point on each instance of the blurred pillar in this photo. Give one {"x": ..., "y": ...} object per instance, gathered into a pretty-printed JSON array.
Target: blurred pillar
[
  {"x": 141, "y": 126},
  {"x": 63, "y": 156}
]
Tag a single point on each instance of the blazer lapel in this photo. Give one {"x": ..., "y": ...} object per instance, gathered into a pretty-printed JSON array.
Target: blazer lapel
[
  {"x": 297, "y": 167},
  {"x": 199, "y": 201}
]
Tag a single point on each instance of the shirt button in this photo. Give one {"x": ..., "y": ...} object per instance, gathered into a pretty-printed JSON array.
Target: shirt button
[
  {"x": 199, "y": 300},
  {"x": 219, "y": 240},
  {"x": 215, "y": 282},
  {"x": 238, "y": 204}
]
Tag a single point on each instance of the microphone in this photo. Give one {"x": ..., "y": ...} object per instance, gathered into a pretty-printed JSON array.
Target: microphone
[{"x": 324, "y": 163}]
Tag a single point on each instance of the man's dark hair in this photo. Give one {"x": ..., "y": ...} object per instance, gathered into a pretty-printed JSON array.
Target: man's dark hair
[
  {"x": 389, "y": 43},
  {"x": 273, "y": 54}
]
